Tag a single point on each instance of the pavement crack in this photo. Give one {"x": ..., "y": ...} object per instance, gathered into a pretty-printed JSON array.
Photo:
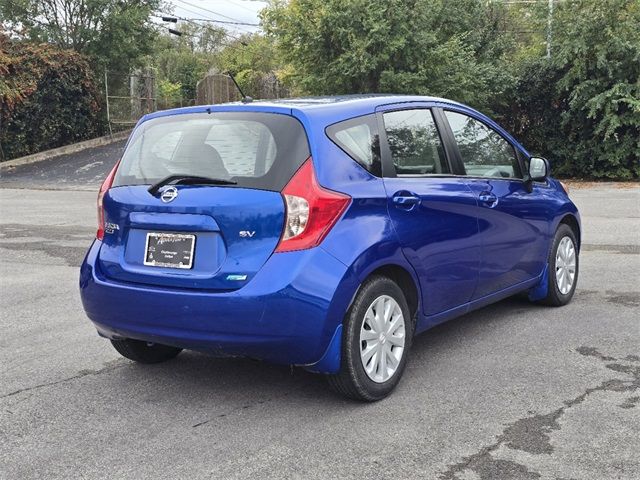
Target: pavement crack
[
  {"x": 619, "y": 249},
  {"x": 630, "y": 402},
  {"x": 232, "y": 411},
  {"x": 592, "y": 352},
  {"x": 532, "y": 434},
  {"x": 199, "y": 424},
  {"x": 240, "y": 408},
  {"x": 628, "y": 299},
  {"x": 80, "y": 374}
]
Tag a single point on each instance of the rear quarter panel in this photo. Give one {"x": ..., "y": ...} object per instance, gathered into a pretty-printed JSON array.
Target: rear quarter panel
[{"x": 364, "y": 239}]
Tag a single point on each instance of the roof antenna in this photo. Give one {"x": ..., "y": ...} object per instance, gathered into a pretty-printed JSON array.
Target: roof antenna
[{"x": 245, "y": 98}]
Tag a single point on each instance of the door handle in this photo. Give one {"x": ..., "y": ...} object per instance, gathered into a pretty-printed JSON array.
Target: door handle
[
  {"x": 405, "y": 200},
  {"x": 488, "y": 198}
]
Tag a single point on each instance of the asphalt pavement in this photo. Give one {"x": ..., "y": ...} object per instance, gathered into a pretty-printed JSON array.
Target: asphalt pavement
[
  {"x": 75, "y": 171},
  {"x": 512, "y": 391}
]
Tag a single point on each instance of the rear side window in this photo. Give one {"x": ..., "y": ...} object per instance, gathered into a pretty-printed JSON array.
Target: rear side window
[
  {"x": 257, "y": 150},
  {"x": 414, "y": 142},
  {"x": 359, "y": 139}
]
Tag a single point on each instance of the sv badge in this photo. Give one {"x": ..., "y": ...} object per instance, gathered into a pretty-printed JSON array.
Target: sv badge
[{"x": 247, "y": 233}]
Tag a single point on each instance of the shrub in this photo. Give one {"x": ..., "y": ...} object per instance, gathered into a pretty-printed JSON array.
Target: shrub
[
  {"x": 599, "y": 55},
  {"x": 581, "y": 108},
  {"x": 48, "y": 98}
]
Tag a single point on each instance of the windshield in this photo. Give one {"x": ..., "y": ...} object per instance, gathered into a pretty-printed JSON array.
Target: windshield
[{"x": 253, "y": 149}]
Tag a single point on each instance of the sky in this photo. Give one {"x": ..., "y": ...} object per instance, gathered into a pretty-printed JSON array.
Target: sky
[{"x": 245, "y": 11}]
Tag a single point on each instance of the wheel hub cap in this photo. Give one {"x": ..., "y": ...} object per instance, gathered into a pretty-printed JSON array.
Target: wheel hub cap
[
  {"x": 565, "y": 265},
  {"x": 382, "y": 338}
]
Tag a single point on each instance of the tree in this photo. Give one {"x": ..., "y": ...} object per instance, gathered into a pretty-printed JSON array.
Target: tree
[
  {"x": 253, "y": 60},
  {"x": 598, "y": 51},
  {"x": 169, "y": 94},
  {"x": 115, "y": 34},
  {"x": 581, "y": 107},
  {"x": 186, "y": 59},
  {"x": 435, "y": 47}
]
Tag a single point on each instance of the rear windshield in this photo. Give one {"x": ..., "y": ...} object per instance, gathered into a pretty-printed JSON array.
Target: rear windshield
[{"x": 256, "y": 150}]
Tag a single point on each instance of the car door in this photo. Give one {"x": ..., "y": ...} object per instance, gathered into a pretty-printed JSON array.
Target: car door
[
  {"x": 433, "y": 211},
  {"x": 512, "y": 219}
]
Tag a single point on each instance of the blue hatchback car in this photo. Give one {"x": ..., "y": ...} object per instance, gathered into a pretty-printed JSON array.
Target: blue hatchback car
[{"x": 321, "y": 232}]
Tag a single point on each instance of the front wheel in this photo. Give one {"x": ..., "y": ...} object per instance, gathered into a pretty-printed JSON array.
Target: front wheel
[
  {"x": 144, "y": 352},
  {"x": 563, "y": 268},
  {"x": 376, "y": 339}
]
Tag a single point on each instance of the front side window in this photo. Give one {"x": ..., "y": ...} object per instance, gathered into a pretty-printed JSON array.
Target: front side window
[
  {"x": 484, "y": 152},
  {"x": 414, "y": 142}
]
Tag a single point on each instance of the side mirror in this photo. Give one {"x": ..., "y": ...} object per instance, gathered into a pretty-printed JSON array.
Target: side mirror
[{"x": 538, "y": 169}]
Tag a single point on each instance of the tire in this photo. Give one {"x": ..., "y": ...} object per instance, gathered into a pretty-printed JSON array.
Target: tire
[
  {"x": 559, "y": 293},
  {"x": 353, "y": 380},
  {"x": 143, "y": 352}
]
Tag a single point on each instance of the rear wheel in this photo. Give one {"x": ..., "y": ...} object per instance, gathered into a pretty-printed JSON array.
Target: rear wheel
[
  {"x": 377, "y": 334},
  {"x": 144, "y": 352},
  {"x": 563, "y": 268}
]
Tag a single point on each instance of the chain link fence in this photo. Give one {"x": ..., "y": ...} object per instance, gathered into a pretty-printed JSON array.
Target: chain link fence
[
  {"x": 128, "y": 97},
  {"x": 217, "y": 88}
]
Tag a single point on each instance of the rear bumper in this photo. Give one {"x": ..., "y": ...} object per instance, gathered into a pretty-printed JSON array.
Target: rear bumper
[{"x": 288, "y": 313}]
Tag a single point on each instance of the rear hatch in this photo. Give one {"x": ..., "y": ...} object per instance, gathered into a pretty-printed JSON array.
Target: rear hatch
[{"x": 189, "y": 233}]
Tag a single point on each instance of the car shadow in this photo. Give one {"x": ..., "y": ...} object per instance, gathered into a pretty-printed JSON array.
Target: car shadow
[{"x": 241, "y": 383}]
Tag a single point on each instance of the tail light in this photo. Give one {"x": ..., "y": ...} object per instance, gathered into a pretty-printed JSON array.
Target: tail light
[
  {"x": 106, "y": 185},
  {"x": 311, "y": 210}
]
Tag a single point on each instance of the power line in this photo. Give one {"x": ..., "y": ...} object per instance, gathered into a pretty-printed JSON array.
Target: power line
[
  {"x": 208, "y": 19},
  {"x": 226, "y": 22},
  {"x": 209, "y": 11},
  {"x": 193, "y": 22},
  {"x": 189, "y": 10},
  {"x": 241, "y": 6},
  {"x": 191, "y": 35}
]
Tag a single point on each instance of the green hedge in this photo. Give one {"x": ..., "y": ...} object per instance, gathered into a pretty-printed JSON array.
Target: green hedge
[
  {"x": 48, "y": 98},
  {"x": 581, "y": 108}
]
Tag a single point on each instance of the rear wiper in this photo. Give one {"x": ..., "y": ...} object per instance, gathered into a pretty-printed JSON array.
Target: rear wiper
[{"x": 188, "y": 180}]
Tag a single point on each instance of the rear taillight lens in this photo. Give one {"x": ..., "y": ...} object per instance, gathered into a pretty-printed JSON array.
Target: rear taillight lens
[
  {"x": 311, "y": 210},
  {"x": 106, "y": 185}
]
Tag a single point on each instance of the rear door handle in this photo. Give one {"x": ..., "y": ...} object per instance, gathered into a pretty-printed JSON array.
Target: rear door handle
[
  {"x": 405, "y": 200},
  {"x": 488, "y": 198}
]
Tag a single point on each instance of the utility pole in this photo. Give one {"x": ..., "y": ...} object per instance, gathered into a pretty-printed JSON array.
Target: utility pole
[{"x": 549, "y": 19}]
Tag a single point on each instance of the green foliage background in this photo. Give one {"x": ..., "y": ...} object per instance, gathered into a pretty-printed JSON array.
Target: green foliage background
[
  {"x": 47, "y": 98},
  {"x": 113, "y": 34},
  {"x": 580, "y": 108},
  {"x": 396, "y": 46}
]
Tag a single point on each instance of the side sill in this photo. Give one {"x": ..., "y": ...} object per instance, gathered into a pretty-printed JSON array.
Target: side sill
[{"x": 425, "y": 323}]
